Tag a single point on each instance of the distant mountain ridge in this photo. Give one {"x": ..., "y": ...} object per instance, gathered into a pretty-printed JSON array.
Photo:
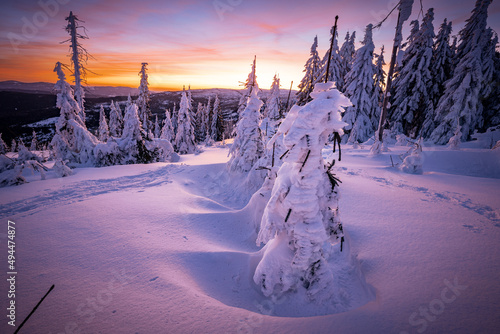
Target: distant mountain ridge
[
  {"x": 111, "y": 91},
  {"x": 48, "y": 88}
]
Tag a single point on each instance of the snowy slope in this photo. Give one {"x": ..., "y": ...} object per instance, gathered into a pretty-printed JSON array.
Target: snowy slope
[{"x": 167, "y": 248}]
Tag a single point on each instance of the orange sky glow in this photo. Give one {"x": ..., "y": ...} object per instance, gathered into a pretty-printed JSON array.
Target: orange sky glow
[{"x": 193, "y": 42}]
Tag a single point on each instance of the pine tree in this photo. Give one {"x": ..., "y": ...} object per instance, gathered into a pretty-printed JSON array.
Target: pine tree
[
  {"x": 217, "y": 125},
  {"x": 13, "y": 146},
  {"x": 115, "y": 120},
  {"x": 335, "y": 71},
  {"x": 103, "y": 126},
  {"x": 463, "y": 98},
  {"x": 247, "y": 147},
  {"x": 312, "y": 70},
  {"x": 142, "y": 102},
  {"x": 3, "y": 146},
  {"x": 411, "y": 101},
  {"x": 346, "y": 55},
  {"x": 184, "y": 138},
  {"x": 34, "y": 142},
  {"x": 360, "y": 88},
  {"x": 167, "y": 131},
  {"x": 301, "y": 224}
]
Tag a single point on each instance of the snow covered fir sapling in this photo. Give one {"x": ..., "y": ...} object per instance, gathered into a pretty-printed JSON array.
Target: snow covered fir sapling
[{"x": 307, "y": 255}]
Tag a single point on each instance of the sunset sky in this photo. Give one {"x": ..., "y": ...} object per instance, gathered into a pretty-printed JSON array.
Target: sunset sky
[{"x": 206, "y": 44}]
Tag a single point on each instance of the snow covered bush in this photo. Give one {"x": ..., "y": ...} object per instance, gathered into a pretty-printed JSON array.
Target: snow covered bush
[
  {"x": 61, "y": 169},
  {"x": 300, "y": 225},
  {"x": 108, "y": 154},
  {"x": 12, "y": 177},
  {"x": 413, "y": 162}
]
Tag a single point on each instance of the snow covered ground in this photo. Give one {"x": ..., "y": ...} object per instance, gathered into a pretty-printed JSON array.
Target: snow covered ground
[{"x": 169, "y": 248}]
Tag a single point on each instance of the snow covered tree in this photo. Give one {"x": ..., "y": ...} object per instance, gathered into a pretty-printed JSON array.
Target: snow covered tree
[
  {"x": 346, "y": 55},
  {"x": 184, "y": 138},
  {"x": 157, "y": 128},
  {"x": 115, "y": 120},
  {"x": 441, "y": 68},
  {"x": 199, "y": 128},
  {"x": 132, "y": 143},
  {"x": 442, "y": 60},
  {"x": 301, "y": 226},
  {"x": 248, "y": 85},
  {"x": 174, "y": 118},
  {"x": 143, "y": 100},
  {"x": 335, "y": 70},
  {"x": 272, "y": 111},
  {"x": 79, "y": 56},
  {"x": 129, "y": 102},
  {"x": 360, "y": 88},
  {"x": 13, "y": 145},
  {"x": 167, "y": 131},
  {"x": 72, "y": 141},
  {"x": 247, "y": 147},
  {"x": 103, "y": 126},
  {"x": 312, "y": 70},
  {"x": 3, "y": 146},
  {"x": 411, "y": 99},
  {"x": 217, "y": 125},
  {"x": 34, "y": 142},
  {"x": 492, "y": 104},
  {"x": 465, "y": 92}
]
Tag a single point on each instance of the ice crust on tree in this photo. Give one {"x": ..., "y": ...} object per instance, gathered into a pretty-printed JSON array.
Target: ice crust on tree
[{"x": 300, "y": 225}]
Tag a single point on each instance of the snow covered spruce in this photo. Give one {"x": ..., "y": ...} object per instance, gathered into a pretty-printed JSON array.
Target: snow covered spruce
[{"x": 306, "y": 254}]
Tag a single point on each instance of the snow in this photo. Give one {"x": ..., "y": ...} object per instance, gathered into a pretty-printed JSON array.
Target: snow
[{"x": 162, "y": 248}]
